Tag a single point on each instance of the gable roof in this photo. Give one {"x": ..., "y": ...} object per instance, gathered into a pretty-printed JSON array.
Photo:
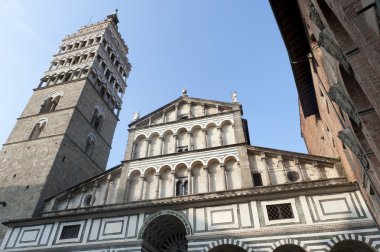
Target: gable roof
[{"x": 179, "y": 100}]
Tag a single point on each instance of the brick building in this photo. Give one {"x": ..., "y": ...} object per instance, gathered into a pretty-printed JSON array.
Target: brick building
[{"x": 334, "y": 50}]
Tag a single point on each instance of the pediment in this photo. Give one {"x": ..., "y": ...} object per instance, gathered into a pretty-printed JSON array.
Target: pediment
[{"x": 183, "y": 108}]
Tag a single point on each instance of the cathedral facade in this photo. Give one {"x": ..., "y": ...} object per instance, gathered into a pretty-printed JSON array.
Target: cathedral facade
[{"x": 190, "y": 180}]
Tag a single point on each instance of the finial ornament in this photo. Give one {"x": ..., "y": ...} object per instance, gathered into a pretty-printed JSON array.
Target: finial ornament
[
  {"x": 234, "y": 97},
  {"x": 184, "y": 92},
  {"x": 115, "y": 12},
  {"x": 136, "y": 115}
]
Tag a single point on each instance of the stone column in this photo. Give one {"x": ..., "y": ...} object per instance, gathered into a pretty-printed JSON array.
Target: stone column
[
  {"x": 126, "y": 193},
  {"x": 96, "y": 185},
  {"x": 176, "y": 112},
  {"x": 220, "y": 136},
  {"x": 316, "y": 166},
  {"x": 207, "y": 180},
  {"x": 189, "y": 181},
  {"x": 204, "y": 131},
  {"x": 163, "y": 116},
  {"x": 224, "y": 181},
  {"x": 266, "y": 170},
  {"x": 190, "y": 140},
  {"x": 69, "y": 197},
  {"x": 297, "y": 164},
  {"x": 84, "y": 189},
  {"x": 189, "y": 112},
  {"x": 175, "y": 143},
  {"x": 142, "y": 178},
  {"x": 109, "y": 179},
  {"x": 204, "y": 109},
  {"x": 147, "y": 147},
  {"x": 158, "y": 177},
  {"x": 173, "y": 182},
  {"x": 161, "y": 138},
  {"x": 133, "y": 154},
  {"x": 280, "y": 165}
]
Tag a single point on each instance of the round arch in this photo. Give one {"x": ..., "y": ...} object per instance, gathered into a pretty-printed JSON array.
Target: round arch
[
  {"x": 341, "y": 242},
  {"x": 292, "y": 242},
  {"x": 196, "y": 126},
  {"x": 226, "y": 121},
  {"x": 156, "y": 215},
  {"x": 230, "y": 157},
  {"x": 233, "y": 242},
  {"x": 134, "y": 171},
  {"x": 171, "y": 229}
]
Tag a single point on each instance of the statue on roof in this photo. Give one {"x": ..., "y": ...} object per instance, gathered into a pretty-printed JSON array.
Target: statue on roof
[
  {"x": 234, "y": 97},
  {"x": 184, "y": 92},
  {"x": 136, "y": 115}
]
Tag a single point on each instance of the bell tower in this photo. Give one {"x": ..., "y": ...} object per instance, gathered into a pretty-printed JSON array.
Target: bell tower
[{"x": 65, "y": 132}]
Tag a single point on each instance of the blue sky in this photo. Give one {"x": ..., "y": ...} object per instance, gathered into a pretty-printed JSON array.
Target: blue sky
[{"x": 210, "y": 47}]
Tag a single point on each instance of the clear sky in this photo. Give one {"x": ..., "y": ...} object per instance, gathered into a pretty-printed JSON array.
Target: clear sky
[{"x": 210, "y": 47}]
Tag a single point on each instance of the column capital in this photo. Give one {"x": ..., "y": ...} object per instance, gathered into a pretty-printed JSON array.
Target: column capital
[
  {"x": 148, "y": 140},
  {"x": 84, "y": 189},
  {"x": 161, "y": 138},
  {"x": 157, "y": 174}
]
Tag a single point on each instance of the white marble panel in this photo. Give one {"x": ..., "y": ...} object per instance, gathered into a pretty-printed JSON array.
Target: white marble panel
[
  {"x": 94, "y": 232},
  {"x": 46, "y": 234},
  {"x": 200, "y": 219},
  {"x": 245, "y": 215},
  {"x": 132, "y": 226},
  {"x": 336, "y": 206},
  {"x": 222, "y": 217},
  {"x": 112, "y": 228}
]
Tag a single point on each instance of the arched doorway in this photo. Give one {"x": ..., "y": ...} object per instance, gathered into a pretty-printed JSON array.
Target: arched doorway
[
  {"x": 227, "y": 248},
  {"x": 165, "y": 231},
  {"x": 352, "y": 246},
  {"x": 289, "y": 248}
]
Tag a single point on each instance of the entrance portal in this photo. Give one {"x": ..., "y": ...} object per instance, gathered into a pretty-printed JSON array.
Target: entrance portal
[
  {"x": 352, "y": 246},
  {"x": 228, "y": 248},
  {"x": 289, "y": 248},
  {"x": 165, "y": 233}
]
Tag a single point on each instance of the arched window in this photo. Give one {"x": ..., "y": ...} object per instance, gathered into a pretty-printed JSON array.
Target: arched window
[
  {"x": 51, "y": 102},
  {"x": 98, "y": 117},
  {"x": 181, "y": 180},
  {"x": 37, "y": 129},
  {"x": 181, "y": 187},
  {"x": 90, "y": 144}
]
